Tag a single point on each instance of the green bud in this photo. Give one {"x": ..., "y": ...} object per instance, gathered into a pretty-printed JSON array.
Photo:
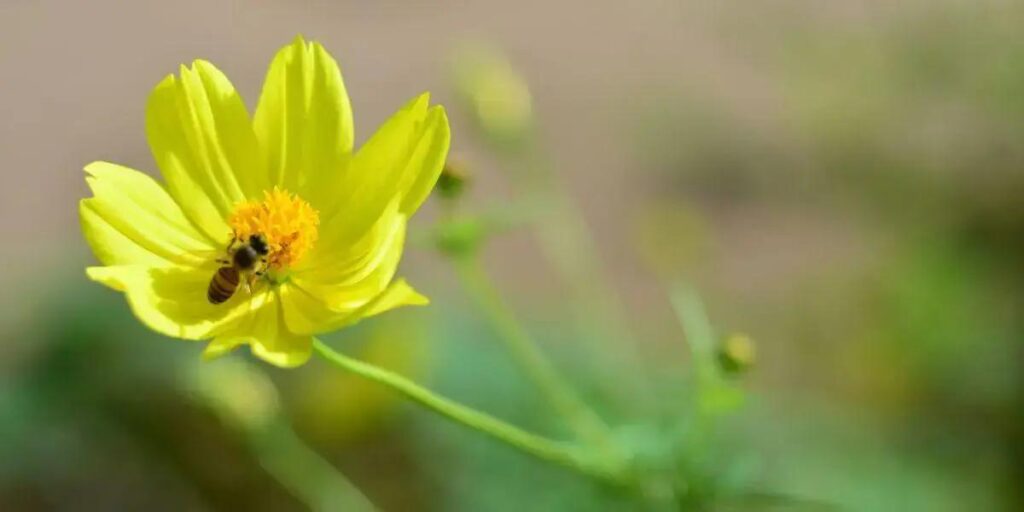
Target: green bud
[
  {"x": 737, "y": 354},
  {"x": 459, "y": 237},
  {"x": 453, "y": 180}
]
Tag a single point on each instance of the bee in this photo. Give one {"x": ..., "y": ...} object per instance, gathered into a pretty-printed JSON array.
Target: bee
[{"x": 246, "y": 260}]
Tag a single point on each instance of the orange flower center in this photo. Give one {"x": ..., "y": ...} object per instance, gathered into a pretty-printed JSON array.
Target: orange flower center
[{"x": 287, "y": 223}]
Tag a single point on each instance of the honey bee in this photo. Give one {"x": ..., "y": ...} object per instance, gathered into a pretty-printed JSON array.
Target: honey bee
[{"x": 247, "y": 260}]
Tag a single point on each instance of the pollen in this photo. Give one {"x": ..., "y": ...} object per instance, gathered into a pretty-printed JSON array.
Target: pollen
[{"x": 287, "y": 222}]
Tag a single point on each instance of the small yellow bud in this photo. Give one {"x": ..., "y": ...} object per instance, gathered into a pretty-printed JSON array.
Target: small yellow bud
[
  {"x": 496, "y": 94},
  {"x": 737, "y": 354}
]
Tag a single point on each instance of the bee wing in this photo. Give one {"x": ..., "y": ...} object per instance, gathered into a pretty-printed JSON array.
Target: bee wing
[
  {"x": 216, "y": 257},
  {"x": 210, "y": 257}
]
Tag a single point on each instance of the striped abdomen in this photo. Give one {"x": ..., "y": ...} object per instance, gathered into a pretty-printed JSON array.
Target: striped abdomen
[{"x": 223, "y": 285}]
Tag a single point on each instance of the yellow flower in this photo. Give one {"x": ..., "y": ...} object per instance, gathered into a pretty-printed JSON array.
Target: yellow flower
[
  {"x": 332, "y": 220},
  {"x": 497, "y": 95}
]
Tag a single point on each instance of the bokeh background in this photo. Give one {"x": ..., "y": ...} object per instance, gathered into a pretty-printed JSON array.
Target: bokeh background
[{"x": 839, "y": 181}]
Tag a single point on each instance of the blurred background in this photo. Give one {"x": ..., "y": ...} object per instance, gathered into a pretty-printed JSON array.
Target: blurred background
[{"x": 835, "y": 185}]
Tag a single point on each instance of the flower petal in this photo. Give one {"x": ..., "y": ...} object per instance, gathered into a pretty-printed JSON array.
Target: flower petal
[
  {"x": 305, "y": 312},
  {"x": 400, "y": 293},
  {"x": 202, "y": 139},
  {"x": 265, "y": 331},
  {"x": 172, "y": 300},
  {"x": 221, "y": 346},
  {"x": 401, "y": 160},
  {"x": 304, "y": 119},
  {"x": 334, "y": 258},
  {"x": 131, "y": 220},
  {"x": 320, "y": 299},
  {"x": 426, "y": 161}
]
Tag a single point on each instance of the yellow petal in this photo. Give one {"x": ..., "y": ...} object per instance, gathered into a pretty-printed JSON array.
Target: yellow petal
[
  {"x": 304, "y": 120},
  {"x": 308, "y": 313},
  {"x": 202, "y": 139},
  {"x": 172, "y": 300},
  {"x": 131, "y": 220},
  {"x": 264, "y": 330},
  {"x": 426, "y": 161},
  {"x": 401, "y": 161},
  {"x": 348, "y": 280},
  {"x": 218, "y": 347},
  {"x": 318, "y": 300},
  {"x": 370, "y": 263},
  {"x": 336, "y": 259},
  {"x": 400, "y": 293}
]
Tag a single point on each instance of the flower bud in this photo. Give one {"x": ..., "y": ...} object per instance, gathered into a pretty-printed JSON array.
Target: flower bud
[
  {"x": 737, "y": 354},
  {"x": 460, "y": 237},
  {"x": 453, "y": 180},
  {"x": 497, "y": 96}
]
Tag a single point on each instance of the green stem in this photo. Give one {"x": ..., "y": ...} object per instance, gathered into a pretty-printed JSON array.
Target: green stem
[
  {"x": 583, "y": 420},
  {"x": 301, "y": 470},
  {"x": 569, "y": 245},
  {"x": 689, "y": 309},
  {"x": 563, "y": 454}
]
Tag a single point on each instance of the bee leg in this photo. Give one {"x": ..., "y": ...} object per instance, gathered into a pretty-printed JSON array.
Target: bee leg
[{"x": 263, "y": 269}]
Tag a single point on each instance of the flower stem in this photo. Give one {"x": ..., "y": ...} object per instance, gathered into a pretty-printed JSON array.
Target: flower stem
[
  {"x": 581, "y": 418},
  {"x": 569, "y": 246},
  {"x": 569, "y": 456},
  {"x": 303, "y": 472},
  {"x": 689, "y": 309}
]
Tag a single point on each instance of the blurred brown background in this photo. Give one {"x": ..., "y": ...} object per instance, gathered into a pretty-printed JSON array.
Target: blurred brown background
[{"x": 840, "y": 180}]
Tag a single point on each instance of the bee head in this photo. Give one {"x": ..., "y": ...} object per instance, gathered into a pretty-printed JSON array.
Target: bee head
[{"x": 259, "y": 244}]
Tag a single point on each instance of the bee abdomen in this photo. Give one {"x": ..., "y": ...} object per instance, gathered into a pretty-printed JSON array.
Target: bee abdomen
[{"x": 223, "y": 285}]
